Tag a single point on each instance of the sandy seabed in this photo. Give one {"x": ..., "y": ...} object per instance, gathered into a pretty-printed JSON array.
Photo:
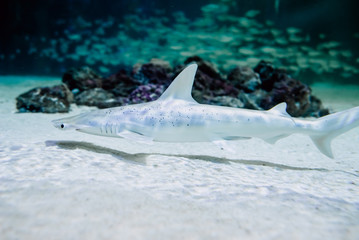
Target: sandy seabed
[{"x": 69, "y": 185}]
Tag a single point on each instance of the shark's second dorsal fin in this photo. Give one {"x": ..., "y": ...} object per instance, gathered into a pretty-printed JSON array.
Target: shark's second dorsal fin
[
  {"x": 280, "y": 109},
  {"x": 181, "y": 87}
]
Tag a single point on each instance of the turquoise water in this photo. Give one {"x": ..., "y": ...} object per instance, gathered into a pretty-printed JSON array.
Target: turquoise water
[{"x": 226, "y": 33}]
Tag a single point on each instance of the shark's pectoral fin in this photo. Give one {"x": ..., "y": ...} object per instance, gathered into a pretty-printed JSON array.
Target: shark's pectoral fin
[
  {"x": 230, "y": 138},
  {"x": 220, "y": 142},
  {"x": 273, "y": 140},
  {"x": 135, "y": 136}
]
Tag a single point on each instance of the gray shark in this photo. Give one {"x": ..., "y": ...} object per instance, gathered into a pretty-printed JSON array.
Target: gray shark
[{"x": 177, "y": 117}]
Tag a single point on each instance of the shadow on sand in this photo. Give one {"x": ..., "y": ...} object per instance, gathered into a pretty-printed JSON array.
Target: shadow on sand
[{"x": 140, "y": 158}]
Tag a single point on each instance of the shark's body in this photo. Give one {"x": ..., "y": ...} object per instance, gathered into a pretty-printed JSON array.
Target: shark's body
[{"x": 177, "y": 117}]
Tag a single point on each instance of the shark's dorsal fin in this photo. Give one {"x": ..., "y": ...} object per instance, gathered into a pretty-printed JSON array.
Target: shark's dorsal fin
[
  {"x": 181, "y": 87},
  {"x": 280, "y": 109}
]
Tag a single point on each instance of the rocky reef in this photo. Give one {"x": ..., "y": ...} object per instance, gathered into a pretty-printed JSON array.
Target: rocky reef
[
  {"x": 45, "y": 99},
  {"x": 259, "y": 88}
]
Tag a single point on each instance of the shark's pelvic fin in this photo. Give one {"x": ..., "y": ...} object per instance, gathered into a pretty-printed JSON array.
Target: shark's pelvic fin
[
  {"x": 280, "y": 109},
  {"x": 273, "y": 140},
  {"x": 137, "y": 137},
  {"x": 181, "y": 87}
]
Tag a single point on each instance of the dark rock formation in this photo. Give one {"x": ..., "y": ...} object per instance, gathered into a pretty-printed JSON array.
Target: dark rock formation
[
  {"x": 120, "y": 83},
  {"x": 209, "y": 81},
  {"x": 121, "y": 77},
  {"x": 316, "y": 108},
  {"x": 252, "y": 100},
  {"x": 155, "y": 72},
  {"x": 281, "y": 87},
  {"x": 269, "y": 75},
  {"x": 260, "y": 89},
  {"x": 227, "y": 101},
  {"x": 46, "y": 99},
  {"x": 245, "y": 78},
  {"x": 82, "y": 79},
  {"x": 93, "y": 97}
]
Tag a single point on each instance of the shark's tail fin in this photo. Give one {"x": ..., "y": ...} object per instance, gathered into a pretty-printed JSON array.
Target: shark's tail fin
[{"x": 328, "y": 127}]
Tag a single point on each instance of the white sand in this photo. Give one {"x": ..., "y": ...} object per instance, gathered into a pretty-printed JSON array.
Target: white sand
[{"x": 68, "y": 185}]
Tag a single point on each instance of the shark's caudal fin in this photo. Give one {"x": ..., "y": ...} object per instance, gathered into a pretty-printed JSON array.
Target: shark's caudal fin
[
  {"x": 181, "y": 87},
  {"x": 331, "y": 126}
]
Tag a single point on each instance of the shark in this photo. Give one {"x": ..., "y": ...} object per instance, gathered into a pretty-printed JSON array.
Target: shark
[{"x": 176, "y": 117}]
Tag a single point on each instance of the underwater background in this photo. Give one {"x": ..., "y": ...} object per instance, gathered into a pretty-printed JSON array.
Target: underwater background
[
  {"x": 69, "y": 57},
  {"x": 313, "y": 40}
]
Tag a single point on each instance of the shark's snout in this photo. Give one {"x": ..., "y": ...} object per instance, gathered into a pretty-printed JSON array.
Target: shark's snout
[{"x": 75, "y": 122}]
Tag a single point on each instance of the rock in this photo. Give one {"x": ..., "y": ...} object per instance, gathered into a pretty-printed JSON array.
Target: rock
[
  {"x": 113, "y": 102},
  {"x": 204, "y": 66},
  {"x": 113, "y": 80},
  {"x": 281, "y": 87},
  {"x": 45, "y": 99},
  {"x": 146, "y": 93},
  {"x": 94, "y": 97},
  {"x": 252, "y": 100},
  {"x": 269, "y": 75},
  {"x": 162, "y": 63},
  {"x": 209, "y": 81},
  {"x": 227, "y": 101},
  {"x": 83, "y": 78},
  {"x": 316, "y": 108},
  {"x": 244, "y": 78},
  {"x": 120, "y": 83},
  {"x": 260, "y": 89},
  {"x": 123, "y": 90},
  {"x": 152, "y": 73},
  {"x": 294, "y": 93}
]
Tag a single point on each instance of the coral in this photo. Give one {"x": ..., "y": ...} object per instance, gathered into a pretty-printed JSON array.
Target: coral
[{"x": 45, "y": 99}]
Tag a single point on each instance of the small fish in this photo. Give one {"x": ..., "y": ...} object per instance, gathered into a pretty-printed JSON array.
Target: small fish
[{"x": 177, "y": 117}]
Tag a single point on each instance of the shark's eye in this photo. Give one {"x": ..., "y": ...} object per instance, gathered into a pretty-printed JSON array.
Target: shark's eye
[{"x": 62, "y": 125}]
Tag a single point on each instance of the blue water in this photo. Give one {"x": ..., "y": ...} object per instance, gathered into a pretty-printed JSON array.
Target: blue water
[{"x": 308, "y": 39}]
